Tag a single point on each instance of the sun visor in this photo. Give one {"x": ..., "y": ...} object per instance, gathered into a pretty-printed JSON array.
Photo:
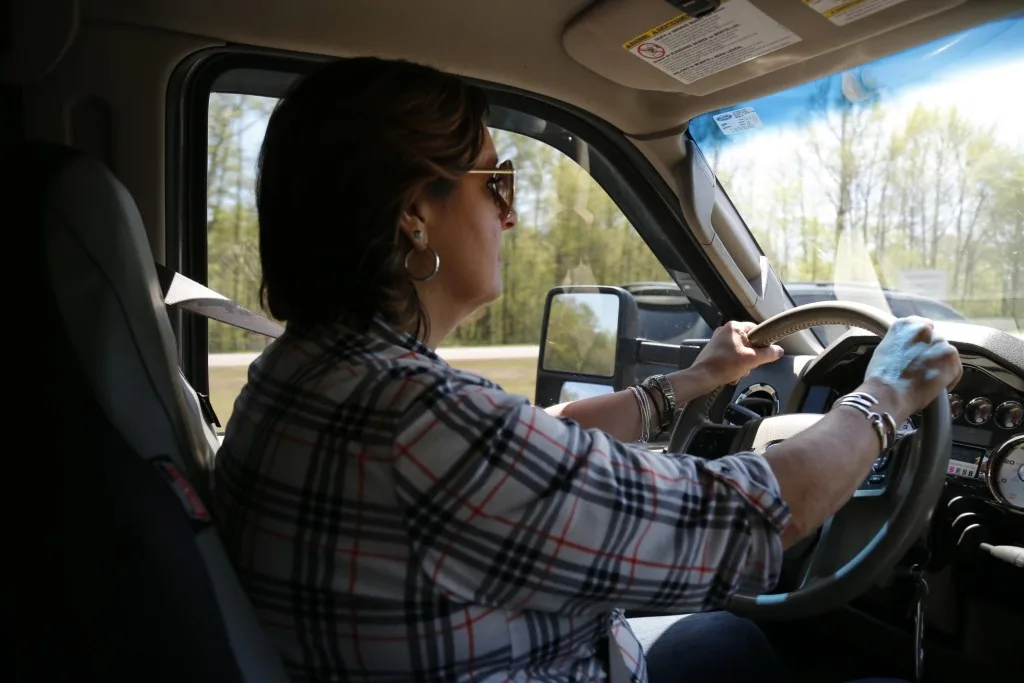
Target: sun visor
[{"x": 653, "y": 45}]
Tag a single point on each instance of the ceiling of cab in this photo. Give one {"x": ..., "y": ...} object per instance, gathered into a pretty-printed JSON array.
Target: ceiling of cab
[{"x": 573, "y": 50}]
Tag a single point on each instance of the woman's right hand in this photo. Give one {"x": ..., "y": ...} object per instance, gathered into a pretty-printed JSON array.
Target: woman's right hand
[{"x": 914, "y": 364}]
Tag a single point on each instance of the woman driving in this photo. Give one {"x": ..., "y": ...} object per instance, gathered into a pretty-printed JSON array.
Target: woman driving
[{"x": 396, "y": 519}]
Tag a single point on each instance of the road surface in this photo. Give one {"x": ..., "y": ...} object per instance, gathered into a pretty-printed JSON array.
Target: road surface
[{"x": 452, "y": 353}]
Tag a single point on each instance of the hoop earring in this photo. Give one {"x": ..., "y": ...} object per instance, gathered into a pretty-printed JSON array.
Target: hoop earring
[{"x": 429, "y": 276}]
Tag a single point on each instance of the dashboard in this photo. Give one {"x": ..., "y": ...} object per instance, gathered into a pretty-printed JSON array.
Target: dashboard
[{"x": 987, "y": 407}]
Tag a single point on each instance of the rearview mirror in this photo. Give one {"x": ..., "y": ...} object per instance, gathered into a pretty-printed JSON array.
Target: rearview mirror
[{"x": 586, "y": 343}]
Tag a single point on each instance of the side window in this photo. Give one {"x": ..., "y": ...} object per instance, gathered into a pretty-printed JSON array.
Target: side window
[
  {"x": 235, "y": 127},
  {"x": 569, "y": 232}
]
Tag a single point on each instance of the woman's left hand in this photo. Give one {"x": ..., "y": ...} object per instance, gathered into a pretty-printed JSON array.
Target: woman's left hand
[{"x": 728, "y": 357}]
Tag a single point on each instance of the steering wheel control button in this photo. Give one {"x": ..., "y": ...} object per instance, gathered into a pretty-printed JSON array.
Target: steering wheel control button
[
  {"x": 979, "y": 410},
  {"x": 1009, "y": 414},
  {"x": 956, "y": 406},
  {"x": 906, "y": 429},
  {"x": 881, "y": 461}
]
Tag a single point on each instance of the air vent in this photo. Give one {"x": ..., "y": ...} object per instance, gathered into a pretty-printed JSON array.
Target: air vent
[{"x": 761, "y": 399}]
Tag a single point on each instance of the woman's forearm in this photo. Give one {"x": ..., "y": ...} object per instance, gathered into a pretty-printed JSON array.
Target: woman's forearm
[
  {"x": 619, "y": 415},
  {"x": 820, "y": 468}
]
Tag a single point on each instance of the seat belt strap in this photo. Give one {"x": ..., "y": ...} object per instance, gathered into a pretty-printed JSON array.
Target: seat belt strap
[
  {"x": 617, "y": 670},
  {"x": 188, "y": 295}
]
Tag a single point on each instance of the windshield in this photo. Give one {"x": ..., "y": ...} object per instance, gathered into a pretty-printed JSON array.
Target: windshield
[{"x": 899, "y": 183}]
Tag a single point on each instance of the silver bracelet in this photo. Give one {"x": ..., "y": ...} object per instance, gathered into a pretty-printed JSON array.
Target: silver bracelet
[
  {"x": 651, "y": 413},
  {"x": 646, "y": 419},
  {"x": 640, "y": 405},
  {"x": 648, "y": 413},
  {"x": 883, "y": 423}
]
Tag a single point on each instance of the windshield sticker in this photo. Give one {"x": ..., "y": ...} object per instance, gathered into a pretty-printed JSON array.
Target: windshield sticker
[
  {"x": 690, "y": 49},
  {"x": 738, "y": 120},
  {"x": 843, "y": 12}
]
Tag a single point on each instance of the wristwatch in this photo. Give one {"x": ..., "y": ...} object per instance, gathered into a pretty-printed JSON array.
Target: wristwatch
[{"x": 658, "y": 385}]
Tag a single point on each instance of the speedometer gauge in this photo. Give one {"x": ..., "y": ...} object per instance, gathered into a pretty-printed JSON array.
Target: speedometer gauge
[{"x": 1005, "y": 473}]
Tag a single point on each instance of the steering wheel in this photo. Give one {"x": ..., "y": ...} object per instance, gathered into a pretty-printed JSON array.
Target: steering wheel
[{"x": 867, "y": 537}]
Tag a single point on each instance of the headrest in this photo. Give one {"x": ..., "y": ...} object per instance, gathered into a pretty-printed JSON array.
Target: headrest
[{"x": 99, "y": 267}]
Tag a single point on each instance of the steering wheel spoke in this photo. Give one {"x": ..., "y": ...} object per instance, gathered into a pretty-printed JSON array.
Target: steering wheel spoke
[
  {"x": 771, "y": 431},
  {"x": 845, "y": 538},
  {"x": 819, "y": 555}
]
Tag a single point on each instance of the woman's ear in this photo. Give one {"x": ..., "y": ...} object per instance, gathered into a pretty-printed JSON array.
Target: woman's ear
[{"x": 413, "y": 224}]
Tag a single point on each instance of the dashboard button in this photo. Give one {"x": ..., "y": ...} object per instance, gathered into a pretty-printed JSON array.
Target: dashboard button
[{"x": 876, "y": 479}]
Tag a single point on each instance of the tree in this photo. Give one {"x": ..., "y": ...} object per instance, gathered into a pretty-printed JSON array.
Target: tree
[
  {"x": 928, "y": 189},
  {"x": 232, "y": 230},
  {"x": 925, "y": 189}
]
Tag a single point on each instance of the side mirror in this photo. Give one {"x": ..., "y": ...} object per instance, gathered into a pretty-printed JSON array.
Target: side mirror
[{"x": 587, "y": 344}]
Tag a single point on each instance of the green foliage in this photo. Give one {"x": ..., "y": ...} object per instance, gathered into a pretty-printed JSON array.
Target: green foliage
[
  {"x": 932, "y": 191},
  {"x": 232, "y": 229},
  {"x": 928, "y": 190},
  {"x": 569, "y": 231}
]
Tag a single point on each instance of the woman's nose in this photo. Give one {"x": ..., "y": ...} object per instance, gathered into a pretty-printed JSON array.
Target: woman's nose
[{"x": 510, "y": 220}]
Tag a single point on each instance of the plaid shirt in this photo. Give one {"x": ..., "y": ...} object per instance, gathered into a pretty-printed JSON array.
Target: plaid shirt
[{"x": 395, "y": 519}]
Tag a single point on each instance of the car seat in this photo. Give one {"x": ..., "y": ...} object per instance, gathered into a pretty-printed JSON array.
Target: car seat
[{"x": 143, "y": 588}]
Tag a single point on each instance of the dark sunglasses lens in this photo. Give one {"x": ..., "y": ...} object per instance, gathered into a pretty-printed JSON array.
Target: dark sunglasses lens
[{"x": 507, "y": 184}]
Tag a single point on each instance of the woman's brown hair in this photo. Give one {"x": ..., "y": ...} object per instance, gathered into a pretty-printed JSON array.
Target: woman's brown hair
[{"x": 344, "y": 151}]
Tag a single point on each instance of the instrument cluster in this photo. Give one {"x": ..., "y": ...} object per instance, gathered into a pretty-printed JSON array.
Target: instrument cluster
[
  {"x": 978, "y": 410},
  {"x": 988, "y": 430},
  {"x": 980, "y": 400}
]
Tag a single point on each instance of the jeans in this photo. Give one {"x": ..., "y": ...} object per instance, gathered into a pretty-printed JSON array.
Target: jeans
[{"x": 713, "y": 646}]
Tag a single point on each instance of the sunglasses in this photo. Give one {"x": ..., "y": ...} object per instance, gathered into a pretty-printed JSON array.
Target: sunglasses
[{"x": 502, "y": 185}]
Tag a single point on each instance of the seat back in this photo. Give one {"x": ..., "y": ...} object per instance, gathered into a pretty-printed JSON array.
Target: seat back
[{"x": 147, "y": 592}]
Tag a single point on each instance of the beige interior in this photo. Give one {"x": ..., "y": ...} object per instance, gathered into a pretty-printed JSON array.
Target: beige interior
[
  {"x": 567, "y": 49},
  {"x": 97, "y": 72}
]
